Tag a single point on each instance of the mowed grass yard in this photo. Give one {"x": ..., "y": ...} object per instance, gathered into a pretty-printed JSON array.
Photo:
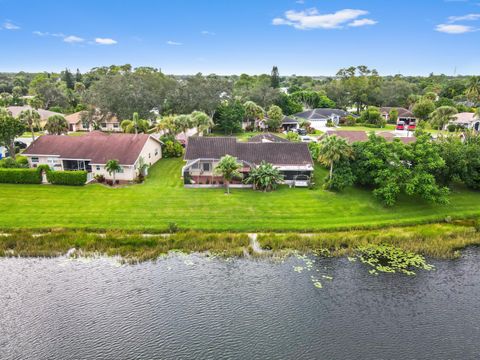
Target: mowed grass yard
[{"x": 162, "y": 199}]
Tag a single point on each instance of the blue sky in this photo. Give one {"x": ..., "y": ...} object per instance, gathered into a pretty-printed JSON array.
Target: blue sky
[{"x": 303, "y": 37}]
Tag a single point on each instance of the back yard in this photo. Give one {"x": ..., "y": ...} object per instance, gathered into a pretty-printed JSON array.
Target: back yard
[{"x": 162, "y": 199}]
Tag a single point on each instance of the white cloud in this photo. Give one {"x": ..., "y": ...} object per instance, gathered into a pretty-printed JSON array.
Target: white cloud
[
  {"x": 468, "y": 17},
  {"x": 8, "y": 25},
  {"x": 454, "y": 29},
  {"x": 362, "y": 22},
  {"x": 73, "y": 39},
  {"x": 206, "y": 32},
  {"x": 174, "y": 43},
  {"x": 105, "y": 41},
  {"x": 312, "y": 19}
]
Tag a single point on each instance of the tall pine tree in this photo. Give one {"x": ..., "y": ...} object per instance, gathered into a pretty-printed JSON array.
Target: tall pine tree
[{"x": 275, "y": 78}]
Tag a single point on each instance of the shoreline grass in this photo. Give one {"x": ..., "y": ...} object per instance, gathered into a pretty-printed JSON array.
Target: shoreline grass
[{"x": 432, "y": 240}]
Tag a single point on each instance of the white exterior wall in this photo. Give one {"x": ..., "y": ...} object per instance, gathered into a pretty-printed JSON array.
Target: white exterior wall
[
  {"x": 128, "y": 173},
  {"x": 52, "y": 161},
  {"x": 151, "y": 152}
]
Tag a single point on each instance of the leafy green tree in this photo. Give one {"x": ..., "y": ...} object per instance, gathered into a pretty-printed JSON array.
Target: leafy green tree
[
  {"x": 423, "y": 108},
  {"x": 135, "y": 126},
  {"x": 275, "y": 117},
  {"x": 288, "y": 105},
  {"x": 393, "y": 115},
  {"x": 6, "y": 99},
  {"x": 113, "y": 167},
  {"x": 471, "y": 174},
  {"x": 372, "y": 116},
  {"x": 229, "y": 116},
  {"x": 36, "y": 103},
  {"x": 275, "y": 78},
  {"x": 46, "y": 87},
  {"x": 10, "y": 128},
  {"x": 265, "y": 177},
  {"x": 453, "y": 152},
  {"x": 312, "y": 99},
  {"x": 333, "y": 149},
  {"x": 442, "y": 116},
  {"x": 228, "y": 167},
  {"x": 202, "y": 121},
  {"x": 342, "y": 176},
  {"x": 56, "y": 125},
  {"x": 31, "y": 119}
]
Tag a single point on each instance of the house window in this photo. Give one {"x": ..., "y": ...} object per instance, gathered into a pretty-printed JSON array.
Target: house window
[
  {"x": 115, "y": 126},
  {"x": 195, "y": 166},
  {"x": 149, "y": 155},
  {"x": 34, "y": 159},
  {"x": 104, "y": 125},
  {"x": 120, "y": 171},
  {"x": 206, "y": 167},
  {"x": 98, "y": 167},
  {"x": 156, "y": 152}
]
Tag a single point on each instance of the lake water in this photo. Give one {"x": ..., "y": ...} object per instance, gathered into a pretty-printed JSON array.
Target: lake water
[{"x": 193, "y": 307}]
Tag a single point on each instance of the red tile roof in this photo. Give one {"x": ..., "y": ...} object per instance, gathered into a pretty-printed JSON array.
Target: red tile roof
[{"x": 96, "y": 146}]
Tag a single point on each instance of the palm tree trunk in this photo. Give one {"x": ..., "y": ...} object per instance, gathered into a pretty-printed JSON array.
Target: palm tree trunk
[
  {"x": 331, "y": 170},
  {"x": 113, "y": 176},
  {"x": 31, "y": 130},
  {"x": 227, "y": 184},
  {"x": 11, "y": 148}
]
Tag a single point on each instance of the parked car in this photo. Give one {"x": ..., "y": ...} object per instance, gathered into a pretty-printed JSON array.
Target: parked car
[
  {"x": 400, "y": 125},
  {"x": 20, "y": 145},
  {"x": 301, "y": 132},
  {"x": 307, "y": 139},
  {"x": 412, "y": 127}
]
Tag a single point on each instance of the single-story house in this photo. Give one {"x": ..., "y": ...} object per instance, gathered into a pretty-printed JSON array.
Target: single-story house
[
  {"x": 289, "y": 123},
  {"x": 77, "y": 122},
  {"x": 92, "y": 151},
  {"x": 404, "y": 115},
  {"x": 361, "y": 136},
  {"x": 267, "y": 138},
  {"x": 203, "y": 153},
  {"x": 44, "y": 114},
  {"x": 318, "y": 118},
  {"x": 467, "y": 120}
]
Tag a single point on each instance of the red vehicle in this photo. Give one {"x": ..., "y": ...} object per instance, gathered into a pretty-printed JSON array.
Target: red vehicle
[
  {"x": 412, "y": 126},
  {"x": 400, "y": 125}
]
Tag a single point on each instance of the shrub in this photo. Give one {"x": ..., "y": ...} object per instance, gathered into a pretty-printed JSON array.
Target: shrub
[
  {"x": 140, "y": 178},
  {"x": 109, "y": 182},
  {"x": 173, "y": 227},
  {"x": 20, "y": 176},
  {"x": 72, "y": 178},
  {"x": 330, "y": 123},
  {"x": 172, "y": 149},
  {"x": 100, "y": 178},
  {"x": 43, "y": 167}
]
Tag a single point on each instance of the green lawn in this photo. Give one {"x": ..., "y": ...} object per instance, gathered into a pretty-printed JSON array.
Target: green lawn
[
  {"x": 388, "y": 127},
  {"x": 163, "y": 199}
]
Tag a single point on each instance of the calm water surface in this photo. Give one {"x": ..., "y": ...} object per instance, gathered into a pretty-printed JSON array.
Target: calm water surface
[{"x": 192, "y": 307}]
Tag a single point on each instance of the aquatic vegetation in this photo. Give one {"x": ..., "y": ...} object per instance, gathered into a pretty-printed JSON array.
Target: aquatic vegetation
[{"x": 389, "y": 259}]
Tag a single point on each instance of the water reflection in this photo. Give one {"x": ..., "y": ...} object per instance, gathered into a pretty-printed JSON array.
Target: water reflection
[{"x": 193, "y": 307}]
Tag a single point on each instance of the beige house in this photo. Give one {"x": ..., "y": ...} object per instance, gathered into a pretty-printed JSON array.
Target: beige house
[
  {"x": 467, "y": 120},
  {"x": 44, "y": 114},
  {"x": 92, "y": 151},
  {"x": 77, "y": 122}
]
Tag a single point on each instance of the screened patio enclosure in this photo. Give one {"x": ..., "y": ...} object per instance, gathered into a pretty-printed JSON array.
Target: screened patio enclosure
[{"x": 74, "y": 165}]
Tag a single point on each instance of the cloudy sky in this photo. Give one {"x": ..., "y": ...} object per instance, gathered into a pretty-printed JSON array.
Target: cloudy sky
[{"x": 310, "y": 37}]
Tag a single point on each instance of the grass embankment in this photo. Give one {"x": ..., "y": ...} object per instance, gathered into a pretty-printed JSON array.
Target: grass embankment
[
  {"x": 162, "y": 199},
  {"x": 433, "y": 240},
  {"x": 129, "y": 246}
]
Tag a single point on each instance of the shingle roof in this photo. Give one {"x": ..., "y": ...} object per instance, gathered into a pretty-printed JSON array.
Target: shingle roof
[
  {"x": 267, "y": 137},
  {"x": 44, "y": 114},
  {"x": 276, "y": 153},
  {"x": 320, "y": 113},
  {"x": 465, "y": 118},
  {"x": 289, "y": 120},
  {"x": 95, "y": 146},
  {"x": 402, "y": 112}
]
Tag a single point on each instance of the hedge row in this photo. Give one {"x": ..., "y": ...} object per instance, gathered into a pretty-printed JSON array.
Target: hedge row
[
  {"x": 20, "y": 176},
  {"x": 73, "y": 178}
]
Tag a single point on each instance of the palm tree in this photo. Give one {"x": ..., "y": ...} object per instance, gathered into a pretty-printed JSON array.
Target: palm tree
[
  {"x": 443, "y": 115},
  {"x": 477, "y": 112},
  {"x": 136, "y": 125},
  {"x": 36, "y": 103},
  {"x": 183, "y": 123},
  {"x": 332, "y": 149},
  {"x": 265, "y": 177},
  {"x": 202, "y": 121},
  {"x": 113, "y": 166},
  {"x": 56, "y": 125},
  {"x": 228, "y": 167},
  {"x": 30, "y": 118},
  {"x": 166, "y": 125},
  {"x": 473, "y": 89}
]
